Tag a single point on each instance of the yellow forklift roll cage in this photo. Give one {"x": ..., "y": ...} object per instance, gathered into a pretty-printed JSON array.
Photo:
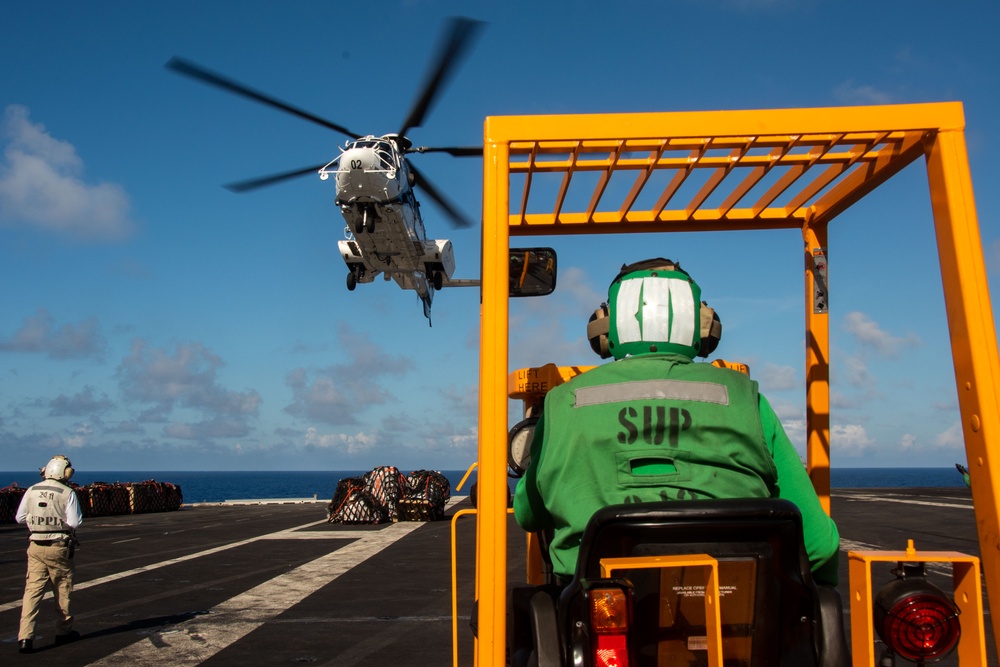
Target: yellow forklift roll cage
[{"x": 730, "y": 170}]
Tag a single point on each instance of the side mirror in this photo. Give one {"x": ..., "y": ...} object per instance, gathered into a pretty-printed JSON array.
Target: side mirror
[{"x": 532, "y": 271}]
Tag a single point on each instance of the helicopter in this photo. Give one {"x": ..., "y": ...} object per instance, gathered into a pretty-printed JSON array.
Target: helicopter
[{"x": 375, "y": 182}]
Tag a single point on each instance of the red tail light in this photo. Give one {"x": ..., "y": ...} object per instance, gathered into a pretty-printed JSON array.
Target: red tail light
[
  {"x": 916, "y": 620},
  {"x": 609, "y": 619}
]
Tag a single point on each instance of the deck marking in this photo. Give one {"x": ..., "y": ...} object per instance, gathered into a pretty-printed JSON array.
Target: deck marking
[
  {"x": 198, "y": 639},
  {"x": 287, "y": 533},
  {"x": 905, "y": 501},
  {"x": 281, "y": 534}
]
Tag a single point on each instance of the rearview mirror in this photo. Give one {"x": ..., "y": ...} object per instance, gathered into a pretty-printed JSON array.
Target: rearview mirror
[{"x": 532, "y": 271}]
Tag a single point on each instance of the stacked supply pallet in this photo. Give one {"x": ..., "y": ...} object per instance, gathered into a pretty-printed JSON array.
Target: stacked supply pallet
[
  {"x": 10, "y": 498},
  {"x": 104, "y": 499},
  {"x": 385, "y": 494}
]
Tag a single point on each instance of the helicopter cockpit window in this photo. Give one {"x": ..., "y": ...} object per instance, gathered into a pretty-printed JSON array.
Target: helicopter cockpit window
[
  {"x": 385, "y": 154},
  {"x": 532, "y": 271}
]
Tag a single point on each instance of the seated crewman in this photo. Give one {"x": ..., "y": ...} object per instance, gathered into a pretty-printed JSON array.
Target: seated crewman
[{"x": 654, "y": 425}]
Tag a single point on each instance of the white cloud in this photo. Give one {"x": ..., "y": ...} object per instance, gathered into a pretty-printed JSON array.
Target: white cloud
[
  {"x": 868, "y": 333},
  {"x": 334, "y": 395},
  {"x": 465, "y": 441},
  {"x": 41, "y": 186},
  {"x": 343, "y": 442},
  {"x": 217, "y": 427},
  {"x": 953, "y": 437},
  {"x": 795, "y": 429},
  {"x": 773, "y": 377},
  {"x": 80, "y": 436},
  {"x": 787, "y": 411},
  {"x": 186, "y": 378},
  {"x": 40, "y": 334},
  {"x": 846, "y": 440},
  {"x": 84, "y": 402},
  {"x": 843, "y": 402},
  {"x": 855, "y": 370},
  {"x": 950, "y": 438},
  {"x": 850, "y": 440}
]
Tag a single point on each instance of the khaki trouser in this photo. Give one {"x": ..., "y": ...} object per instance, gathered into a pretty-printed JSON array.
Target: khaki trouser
[{"x": 47, "y": 564}]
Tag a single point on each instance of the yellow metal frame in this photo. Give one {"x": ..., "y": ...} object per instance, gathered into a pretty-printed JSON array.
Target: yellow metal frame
[
  {"x": 454, "y": 579},
  {"x": 968, "y": 596},
  {"x": 821, "y": 161},
  {"x": 713, "y": 615}
]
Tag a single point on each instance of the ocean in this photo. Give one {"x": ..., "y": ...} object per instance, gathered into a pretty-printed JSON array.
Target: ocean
[{"x": 213, "y": 487}]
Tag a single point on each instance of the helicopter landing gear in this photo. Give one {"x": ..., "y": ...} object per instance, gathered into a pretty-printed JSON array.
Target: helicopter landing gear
[
  {"x": 367, "y": 221},
  {"x": 438, "y": 280},
  {"x": 352, "y": 280}
]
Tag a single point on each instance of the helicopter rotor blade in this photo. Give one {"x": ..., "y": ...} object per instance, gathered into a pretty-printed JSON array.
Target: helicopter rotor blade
[
  {"x": 192, "y": 70},
  {"x": 461, "y": 30},
  {"x": 263, "y": 181},
  {"x": 458, "y": 219},
  {"x": 456, "y": 151}
]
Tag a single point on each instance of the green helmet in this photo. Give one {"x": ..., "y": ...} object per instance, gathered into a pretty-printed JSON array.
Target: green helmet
[{"x": 654, "y": 306}]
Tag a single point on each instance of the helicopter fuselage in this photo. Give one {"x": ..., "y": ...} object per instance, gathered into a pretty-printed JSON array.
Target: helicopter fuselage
[
  {"x": 385, "y": 232},
  {"x": 374, "y": 180}
]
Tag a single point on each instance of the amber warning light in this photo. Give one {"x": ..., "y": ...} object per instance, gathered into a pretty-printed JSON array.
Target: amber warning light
[{"x": 609, "y": 617}]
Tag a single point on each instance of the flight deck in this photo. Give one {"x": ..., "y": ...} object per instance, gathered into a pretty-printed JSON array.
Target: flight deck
[{"x": 274, "y": 583}]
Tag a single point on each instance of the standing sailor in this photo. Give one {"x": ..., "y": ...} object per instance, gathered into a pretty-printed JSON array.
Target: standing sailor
[{"x": 52, "y": 513}]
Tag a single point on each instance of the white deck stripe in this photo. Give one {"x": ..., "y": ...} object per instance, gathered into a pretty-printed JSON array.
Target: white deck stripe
[
  {"x": 884, "y": 499},
  {"x": 281, "y": 534},
  {"x": 287, "y": 533},
  {"x": 202, "y": 637}
]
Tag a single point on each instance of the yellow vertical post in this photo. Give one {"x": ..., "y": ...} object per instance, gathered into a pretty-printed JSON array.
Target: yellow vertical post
[
  {"x": 814, "y": 237},
  {"x": 862, "y": 615},
  {"x": 491, "y": 570},
  {"x": 973, "y": 335}
]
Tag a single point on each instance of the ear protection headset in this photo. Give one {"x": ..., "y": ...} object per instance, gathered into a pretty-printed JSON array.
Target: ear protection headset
[
  {"x": 599, "y": 324},
  {"x": 59, "y": 468}
]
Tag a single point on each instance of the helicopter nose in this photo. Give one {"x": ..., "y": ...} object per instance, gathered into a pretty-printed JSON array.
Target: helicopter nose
[
  {"x": 362, "y": 158},
  {"x": 354, "y": 163},
  {"x": 365, "y": 174}
]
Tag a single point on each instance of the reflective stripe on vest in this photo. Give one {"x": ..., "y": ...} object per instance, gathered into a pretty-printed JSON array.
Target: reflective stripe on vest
[{"x": 683, "y": 390}]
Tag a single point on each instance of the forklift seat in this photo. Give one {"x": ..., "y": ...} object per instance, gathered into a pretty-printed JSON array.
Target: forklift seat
[{"x": 773, "y": 613}]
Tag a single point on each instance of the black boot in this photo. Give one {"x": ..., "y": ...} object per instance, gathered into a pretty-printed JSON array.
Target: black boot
[{"x": 25, "y": 646}]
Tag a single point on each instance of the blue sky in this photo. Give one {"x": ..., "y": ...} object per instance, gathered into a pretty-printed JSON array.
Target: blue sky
[{"x": 152, "y": 320}]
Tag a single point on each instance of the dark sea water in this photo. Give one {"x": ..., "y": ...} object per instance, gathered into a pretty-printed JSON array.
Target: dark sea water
[{"x": 198, "y": 487}]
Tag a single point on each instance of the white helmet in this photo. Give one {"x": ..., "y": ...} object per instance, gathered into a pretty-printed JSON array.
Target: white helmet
[{"x": 58, "y": 468}]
